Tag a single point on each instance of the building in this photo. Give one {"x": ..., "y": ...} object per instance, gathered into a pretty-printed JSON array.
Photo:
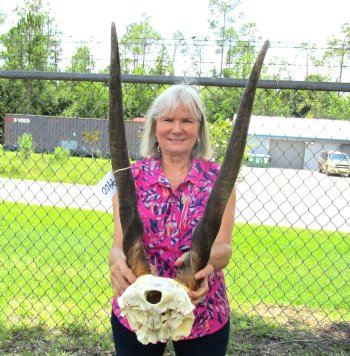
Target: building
[{"x": 296, "y": 142}]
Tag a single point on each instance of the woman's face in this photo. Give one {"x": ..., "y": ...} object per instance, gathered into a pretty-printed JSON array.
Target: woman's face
[{"x": 177, "y": 132}]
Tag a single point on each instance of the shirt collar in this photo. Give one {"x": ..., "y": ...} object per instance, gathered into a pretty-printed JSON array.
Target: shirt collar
[{"x": 153, "y": 173}]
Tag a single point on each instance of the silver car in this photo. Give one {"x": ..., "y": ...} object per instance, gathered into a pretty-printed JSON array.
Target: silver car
[{"x": 334, "y": 163}]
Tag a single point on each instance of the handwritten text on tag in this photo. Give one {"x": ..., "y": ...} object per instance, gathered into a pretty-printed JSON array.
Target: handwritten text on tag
[{"x": 106, "y": 188}]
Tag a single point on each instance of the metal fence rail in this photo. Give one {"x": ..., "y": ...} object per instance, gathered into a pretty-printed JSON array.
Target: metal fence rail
[{"x": 291, "y": 242}]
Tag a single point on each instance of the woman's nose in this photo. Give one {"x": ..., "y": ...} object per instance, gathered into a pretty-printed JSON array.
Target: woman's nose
[{"x": 177, "y": 126}]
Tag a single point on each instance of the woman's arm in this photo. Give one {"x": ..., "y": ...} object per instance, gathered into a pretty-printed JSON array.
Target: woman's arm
[{"x": 121, "y": 274}]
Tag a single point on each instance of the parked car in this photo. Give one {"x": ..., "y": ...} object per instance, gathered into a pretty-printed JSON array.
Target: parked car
[{"x": 334, "y": 163}]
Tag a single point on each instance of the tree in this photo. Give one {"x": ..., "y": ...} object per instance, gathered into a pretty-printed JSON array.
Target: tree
[
  {"x": 241, "y": 51},
  {"x": 219, "y": 135},
  {"x": 338, "y": 52},
  {"x": 163, "y": 65},
  {"x": 198, "y": 55},
  {"x": 279, "y": 69},
  {"x": 82, "y": 61},
  {"x": 236, "y": 40},
  {"x": 83, "y": 99},
  {"x": 221, "y": 103},
  {"x": 221, "y": 11},
  {"x": 33, "y": 43},
  {"x": 2, "y": 18},
  {"x": 311, "y": 58},
  {"x": 137, "y": 43},
  {"x": 179, "y": 42}
]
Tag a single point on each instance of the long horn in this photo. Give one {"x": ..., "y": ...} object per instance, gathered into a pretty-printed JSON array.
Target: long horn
[
  {"x": 129, "y": 216},
  {"x": 205, "y": 233}
]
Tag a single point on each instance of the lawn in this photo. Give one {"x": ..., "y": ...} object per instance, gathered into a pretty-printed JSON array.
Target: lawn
[
  {"x": 44, "y": 167},
  {"x": 287, "y": 266},
  {"x": 54, "y": 276}
]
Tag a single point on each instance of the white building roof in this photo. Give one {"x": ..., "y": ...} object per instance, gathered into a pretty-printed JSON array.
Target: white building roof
[{"x": 307, "y": 129}]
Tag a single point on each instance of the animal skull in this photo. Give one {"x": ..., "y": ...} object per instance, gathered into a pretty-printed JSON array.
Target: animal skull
[{"x": 158, "y": 309}]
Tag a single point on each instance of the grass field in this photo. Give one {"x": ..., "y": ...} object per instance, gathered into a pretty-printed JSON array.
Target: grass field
[
  {"x": 54, "y": 279},
  {"x": 43, "y": 167},
  {"x": 286, "y": 266}
]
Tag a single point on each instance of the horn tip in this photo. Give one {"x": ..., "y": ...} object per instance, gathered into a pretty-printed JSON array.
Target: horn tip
[
  {"x": 113, "y": 28},
  {"x": 113, "y": 31}
]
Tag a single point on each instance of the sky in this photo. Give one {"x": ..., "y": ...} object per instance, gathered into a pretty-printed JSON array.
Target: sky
[
  {"x": 281, "y": 21},
  {"x": 278, "y": 20}
]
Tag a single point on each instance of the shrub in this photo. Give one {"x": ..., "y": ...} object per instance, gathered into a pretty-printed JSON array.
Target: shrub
[
  {"x": 25, "y": 144},
  {"x": 219, "y": 134},
  {"x": 61, "y": 154}
]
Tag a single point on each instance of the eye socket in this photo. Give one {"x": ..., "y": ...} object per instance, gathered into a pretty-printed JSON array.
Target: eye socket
[{"x": 153, "y": 296}]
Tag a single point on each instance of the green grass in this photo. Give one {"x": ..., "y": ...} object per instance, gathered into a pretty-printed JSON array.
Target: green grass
[
  {"x": 54, "y": 276},
  {"x": 61, "y": 254},
  {"x": 54, "y": 265},
  {"x": 43, "y": 167},
  {"x": 285, "y": 266}
]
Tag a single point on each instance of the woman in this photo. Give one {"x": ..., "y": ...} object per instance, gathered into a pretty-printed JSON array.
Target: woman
[{"x": 173, "y": 184}]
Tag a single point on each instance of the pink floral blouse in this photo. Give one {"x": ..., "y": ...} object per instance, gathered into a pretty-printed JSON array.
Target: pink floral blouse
[{"x": 169, "y": 218}]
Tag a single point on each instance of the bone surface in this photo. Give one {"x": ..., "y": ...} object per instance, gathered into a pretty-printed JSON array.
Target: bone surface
[{"x": 158, "y": 309}]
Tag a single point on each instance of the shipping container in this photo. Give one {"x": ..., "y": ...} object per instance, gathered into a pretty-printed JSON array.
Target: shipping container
[{"x": 82, "y": 136}]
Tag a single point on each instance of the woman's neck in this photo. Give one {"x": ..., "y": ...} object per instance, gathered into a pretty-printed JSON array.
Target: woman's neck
[{"x": 175, "y": 169}]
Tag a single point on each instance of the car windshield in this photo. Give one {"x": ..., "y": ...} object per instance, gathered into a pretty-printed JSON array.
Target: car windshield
[{"x": 339, "y": 156}]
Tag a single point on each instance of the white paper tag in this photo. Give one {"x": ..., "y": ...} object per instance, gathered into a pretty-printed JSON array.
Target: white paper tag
[{"x": 107, "y": 187}]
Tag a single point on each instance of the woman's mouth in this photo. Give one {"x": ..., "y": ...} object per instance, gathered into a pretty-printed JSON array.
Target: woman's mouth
[{"x": 176, "y": 140}]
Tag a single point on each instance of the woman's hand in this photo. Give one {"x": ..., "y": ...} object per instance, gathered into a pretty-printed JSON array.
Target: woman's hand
[
  {"x": 198, "y": 295},
  {"x": 121, "y": 276}
]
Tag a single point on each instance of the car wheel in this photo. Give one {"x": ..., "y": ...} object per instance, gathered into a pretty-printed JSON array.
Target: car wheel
[
  {"x": 319, "y": 169},
  {"x": 328, "y": 171}
]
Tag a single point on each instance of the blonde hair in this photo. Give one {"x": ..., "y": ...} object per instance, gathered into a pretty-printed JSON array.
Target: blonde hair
[{"x": 168, "y": 101}]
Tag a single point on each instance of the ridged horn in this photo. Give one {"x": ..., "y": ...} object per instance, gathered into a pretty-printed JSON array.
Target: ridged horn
[
  {"x": 129, "y": 215},
  {"x": 207, "y": 229}
]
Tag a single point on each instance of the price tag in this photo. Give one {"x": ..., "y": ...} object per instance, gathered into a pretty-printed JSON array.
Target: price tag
[{"x": 107, "y": 187}]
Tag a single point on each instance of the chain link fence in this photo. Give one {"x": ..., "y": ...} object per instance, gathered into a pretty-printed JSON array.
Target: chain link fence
[{"x": 291, "y": 242}]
